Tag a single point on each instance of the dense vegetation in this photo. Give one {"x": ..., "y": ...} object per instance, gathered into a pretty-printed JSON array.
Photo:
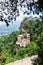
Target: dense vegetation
[
  {"x": 11, "y": 7},
  {"x": 32, "y": 26},
  {"x": 36, "y": 32},
  {"x": 39, "y": 60},
  {"x": 10, "y": 52}
]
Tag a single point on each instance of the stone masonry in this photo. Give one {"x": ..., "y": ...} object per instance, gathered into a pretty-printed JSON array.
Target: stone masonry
[{"x": 23, "y": 40}]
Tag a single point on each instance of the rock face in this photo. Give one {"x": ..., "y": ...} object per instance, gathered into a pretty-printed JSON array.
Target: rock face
[{"x": 23, "y": 40}]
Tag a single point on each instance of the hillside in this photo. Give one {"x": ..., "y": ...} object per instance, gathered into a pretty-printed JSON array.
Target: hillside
[{"x": 10, "y": 52}]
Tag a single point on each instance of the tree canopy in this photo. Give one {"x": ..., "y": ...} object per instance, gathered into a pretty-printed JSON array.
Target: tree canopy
[{"x": 9, "y": 9}]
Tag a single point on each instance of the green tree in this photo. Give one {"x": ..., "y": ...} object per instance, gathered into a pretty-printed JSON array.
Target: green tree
[
  {"x": 39, "y": 60},
  {"x": 11, "y": 7},
  {"x": 31, "y": 26}
]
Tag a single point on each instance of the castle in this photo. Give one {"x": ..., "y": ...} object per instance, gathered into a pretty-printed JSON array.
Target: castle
[{"x": 23, "y": 40}]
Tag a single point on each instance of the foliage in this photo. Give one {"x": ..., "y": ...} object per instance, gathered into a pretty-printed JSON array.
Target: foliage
[
  {"x": 10, "y": 52},
  {"x": 7, "y": 46},
  {"x": 35, "y": 28},
  {"x": 10, "y": 8},
  {"x": 31, "y": 49},
  {"x": 40, "y": 53},
  {"x": 32, "y": 26},
  {"x": 39, "y": 41},
  {"x": 40, "y": 3}
]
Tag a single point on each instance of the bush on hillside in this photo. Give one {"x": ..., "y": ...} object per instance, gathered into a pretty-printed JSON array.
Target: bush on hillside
[{"x": 31, "y": 49}]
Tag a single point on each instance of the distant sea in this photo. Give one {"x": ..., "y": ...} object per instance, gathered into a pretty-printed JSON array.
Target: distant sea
[{"x": 7, "y": 30}]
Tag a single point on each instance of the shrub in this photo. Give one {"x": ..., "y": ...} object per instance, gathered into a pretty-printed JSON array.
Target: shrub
[
  {"x": 21, "y": 52},
  {"x": 31, "y": 49}
]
